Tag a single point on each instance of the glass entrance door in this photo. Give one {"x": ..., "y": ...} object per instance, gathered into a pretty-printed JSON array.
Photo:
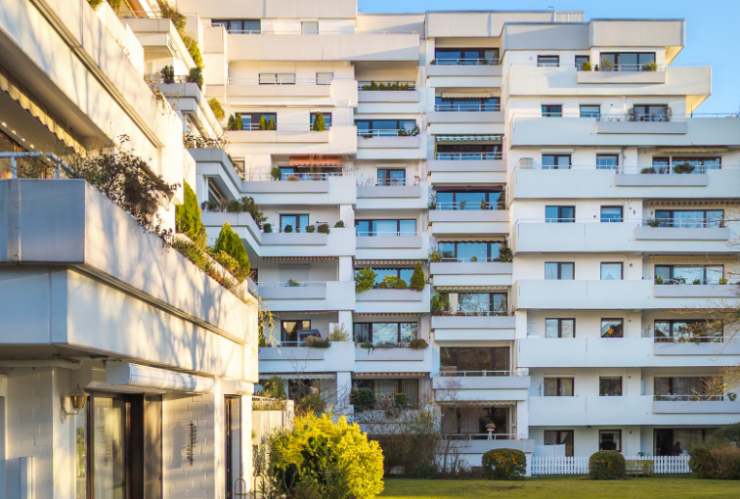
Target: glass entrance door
[
  {"x": 108, "y": 442},
  {"x": 232, "y": 427}
]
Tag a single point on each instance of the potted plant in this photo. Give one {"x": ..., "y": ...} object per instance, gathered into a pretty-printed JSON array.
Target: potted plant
[
  {"x": 323, "y": 228},
  {"x": 267, "y": 227},
  {"x": 275, "y": 173},
  {"x": 435, "y": 256},
  {"x": 723, "y": 280},
  {"x": 586, "y": 66},
  {"x": 168, "y": 74},
  {"x": 648, "y": 170},
  {"x": 650, "y": 66},
  {"x": 288, "y": 228},
  {"x": 339, "y": 224},
  {"x": 658, "y": 279},
  {"x": 310, "y": 229},
  {"x": 418, "y": 344},
  {"x": 683, "y": 168},
  {"x": 505, "y": 255},
  {"x": 651, "y": 222},
  {"x": 292, "y": 283},
  {"x": 732, "y": 396}
]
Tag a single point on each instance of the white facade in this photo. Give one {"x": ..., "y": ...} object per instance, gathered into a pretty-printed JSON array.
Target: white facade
[
  {"x": 125, "y": 370},
  {"x": 451, "y": 134}
]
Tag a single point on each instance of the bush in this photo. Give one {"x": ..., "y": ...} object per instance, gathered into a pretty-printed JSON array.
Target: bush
[
  {"x": 339, "y": 224},
  {"x": 168, "y": 74},
  {"x": 504, "y": 255},
  {"x": 196, "y": 76},
  {"x": 188, "y": 218},
  {"x": 414, "y": 450},
  {"x": 338, "y": 333},
  {"x": 440, "y": 303},
  {"x": 418, "y": 344},
  {"x": 274, "y": 388},
  {"x": 729, "y": 434},
  {"x": 606, "y": 465},
  {"x": 235, "y": 122},
  {"x": 217, "y": 108},
  {"x": 267, "y": 228},
  {"x": 230, "y": 243},
  {"x": 363, "y": 399},
  {"x": 393, "y": 282},
  {"x": 322, "y": 229},
  {"x": 310, "y": 404},
  {"x": 317, "y": 342},
  {"x": 193, "y": 50},
  {"x": 418, "y": 281},
  {"x": 719, "y": 462},
  {"x": 323, "y": 458},
  {"x": 319, "y": 124},
  {"x": 504, "y": 464},
  {"x": 364, "y": 279}
]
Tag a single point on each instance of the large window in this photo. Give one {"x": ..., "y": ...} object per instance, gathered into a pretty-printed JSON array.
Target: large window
[
  {"x": 560, "y": 271},
  {"x": 277, "y": 78},
  {"x": 470, "y": 251},
  {"x": 560, "y": 437},
  {"x": 466, "y": 56},
  {"x": 390, "y": 393},
  {"x": 690, "y": 330},
  {"x": 386, "y": 277},
  {"x": 259, "y": 121},
  {"x": 650, "y": 112},
  {"x": 386, "y": 227},
  {"x": 249, "y": 26},
  {"x": 482, "y": 304},
  {"x": 560, "y": 214},
  {"x": 470, "y": 200},
  {"x": 559, "y": 387},
  {"x": 556, "y": 161},
  {"x": 560, "y": 328},
  {"x": 327, "y": 121},
  {"x": 612, "y": 328},
  {"x": 627, "y": 61},
  {"x": 391, "y": 176},
  {"x": 610, "y": 386},
  {"x": 689, "y": 274},
  {"x": 607, "y": 161},
  {"x": 386, "y": 128},
  {"x": 551, "y": 61},
  {"x": 468, "y": 152},
  {"x": 610, "y": 440},
  {"x": 611, "y": 271},
  {"x": 590, "y": 111},
  {"x": 689, "y": 218},
  {"x": 682, "y": 164},
  {"x": 551, "y": 110},
  {"x": 294, "y": 331},
  {"x": 688, "y": 388},
  {"x": 611, "y": 214},
  {"x": 293, "y": 222},
  {"x": 466, "y": 104},
  {"x": 385, "y": 333},
  {"x": 485, "y": 361}
]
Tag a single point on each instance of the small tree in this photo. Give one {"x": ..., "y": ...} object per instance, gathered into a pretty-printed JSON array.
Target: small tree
[
  {"x": 196, "y": 76},
  {"x": 217, "y": 108},
  {"x": 229, "y": 242},
  {"x": 263, "y": 122},
  {"x": 504, "y": 464},
  {"x": 188, "y": 218},
  {"x": 606, "y": 465},
  {"x": 418, "y": 281},
  {"x": 168, "y": 74},
  {"x": 274, "y": 388},
  {"x": 319, "y": 124},
  {"x": 364, "y": 279}
]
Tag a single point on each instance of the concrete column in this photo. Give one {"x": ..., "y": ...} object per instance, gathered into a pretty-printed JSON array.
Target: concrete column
[
  {"x": 344, "y": 388},
  {"x": 347, "y": 215},
  {"x": 520, "y": 323},
  {"x": 344, "y": 319},
  {"x": 345, "y": 270},
  {"x": 522, "y": 420}
]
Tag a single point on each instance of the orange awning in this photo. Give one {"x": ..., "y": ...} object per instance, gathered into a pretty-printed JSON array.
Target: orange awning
[{"x": 316, "y": 160}]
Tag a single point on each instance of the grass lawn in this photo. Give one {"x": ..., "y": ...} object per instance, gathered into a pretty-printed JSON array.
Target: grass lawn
[{"x": 564, "y": 488}]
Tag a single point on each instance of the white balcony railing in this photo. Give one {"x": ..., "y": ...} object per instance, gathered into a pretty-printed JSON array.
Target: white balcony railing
[
  {"x": 387, "y": 132},
  {"x": 468, "y": 206},
  {"x": 467, "y": 107},
  {"x": 481, "y": 373},
  {"x": 466, "y": 62},
  {"x": 479, "y": 436},
  {"x": 468, "y": 156},
  {"x": 386, "y": 85}
]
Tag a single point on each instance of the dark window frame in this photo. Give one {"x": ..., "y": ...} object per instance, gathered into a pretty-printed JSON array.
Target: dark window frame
[
  {"x": 490, "y": 245},
  {"x": 620, "y": 329},
  {"x": 548, "y": 61},
  {"x": 621, "y": 270},
  {"x": 609, "y": 156},
  {"x": 560, "y": 209},
  {"x": 603, "y": 390},
  {"x": 672, "y": 267},
  {"x": 297, "y": 218},
  {"x": 373, "y": 231},
  {"x": 552, "y": 161},
  {"x": 583, "y": 107},
  {"x": 551, "y": 110},
  {"x": 560, "y": 265},
  {"x": 399, "y": 331},
  {"x": 560, "y": 321},
  {"x": 559, "y": 386},
  {"x": 618, "y": 432}
]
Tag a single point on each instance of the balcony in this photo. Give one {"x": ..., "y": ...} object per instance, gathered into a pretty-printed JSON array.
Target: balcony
[
  {"x": 339, "y": 140},
  {"x": 390, "y": 360},
  {"x": 620, "y": 75},
  {"x": 393, "y": 197},
  {"x": 693, "y": 404},
  {"x": 711, "y": 291},
  {"x": 339, "y": 356},
  {"x": 387, "y": 301},
  {"x": 456, "y": 273},
  {"x": 461, "y": 328},
  {"x": 302, "y": 189},
  {"x": 465, "y": 68},
  {"x": 401, "y": 245},
  {"x": 476, "y": 386},
  {"x": 467, "y": 168},
  {"x": 655, "y": 124},
  {"x": 469, "y": 114},
  {"x": 585, "y": 410},
  {"x": 457, "y": 220},
  {"x": 387, "y": 91},
  {"x": 308, "y": 296}
]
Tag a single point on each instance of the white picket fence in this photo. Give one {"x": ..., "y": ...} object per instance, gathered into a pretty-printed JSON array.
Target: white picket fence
[{"x": 577, "y": 465}]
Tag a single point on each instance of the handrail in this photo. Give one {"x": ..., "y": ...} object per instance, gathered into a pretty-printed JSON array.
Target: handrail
[
  {"x": 631, "y": 169},
  {"x": 479, "y": 436},
  {"x": 481, "y": 373},
  {"x": 468, "y": 156},
  {"x": 689, "y": 397},
  {"x": 467, "y": 107},
  {"x": 475, "y": 313},
  {"x": 469, "y": 206},
  {"x": 387, "y": 132},
  {"x": 477, "y": 61},
  {"x": 59, "y": 165},
  {"x": 385, "y": 233}
]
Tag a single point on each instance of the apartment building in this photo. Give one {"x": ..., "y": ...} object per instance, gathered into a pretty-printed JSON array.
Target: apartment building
[
  {"x": 125, "y": 370},
  {"x": 573, "y": 213}
]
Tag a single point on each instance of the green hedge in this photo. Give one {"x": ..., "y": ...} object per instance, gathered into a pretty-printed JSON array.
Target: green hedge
[
  {"x": 504, "y": 464},
  {"x": 718, "y": 462},
  {"x": 606, "y": 465}
]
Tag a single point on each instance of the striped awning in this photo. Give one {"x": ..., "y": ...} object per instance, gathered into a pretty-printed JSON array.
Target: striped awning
[
  {"x": 476, "y": 403},
  {"x": 463, "y": 138},
  {"x": 315, "y": 160},
  {"x": 265, "y": 376},
  {"x": 388, "y": 375}
]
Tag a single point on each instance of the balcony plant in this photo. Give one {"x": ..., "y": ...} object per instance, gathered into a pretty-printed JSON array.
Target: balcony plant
[
  {"x": 418, "y": 280},
  {"x": 196, "y": 76},
  {"x": 319, "y": 124},
  {"x": 292, "y": 283},
  {"x": 168, "y": 74},
  {"x": 339, "y": 224},
  {"x": 217, "y": 108},
  {"x": 586, "y": 66},
  {"x": 310, "y": 229},
  {"x": 418, "y": 344},
  {"x": 649, "y": 170},
  {"x": 188, "y": 218},
  {"x": 440, "y": 303},
  {"x": 650, "y": 66},
  {"x": 435, "y": 256},
  {"x": 505, "y": 255},
  {"x": 234, "y": 122},
  {"x": 364, "y": 279},
  {"x": 392, "y": 282},
  {"x": 338, "y": 333},
  {"x": 658, "y": 279},
  {"x": 322, "y": 228},
  {"x": 363, "y": 399},
  {"x": 683, "y": 168},
  {"x": 317, "y": 342},
  {"x": 229, "y": 243},
  {"x": 723, "y": 280},
  {"x": 288, "y": 229},
  {"x": 652, "y": 222}
]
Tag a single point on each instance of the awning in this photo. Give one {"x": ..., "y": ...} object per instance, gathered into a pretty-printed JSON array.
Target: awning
[
  {"x": 388, "y": 375},
  {"x": 315, "y": 160},
  {"x": 469, "y": 94},
  {"x": 476, "y": 403},
  {"x": 456, "y": 139},
  {"x": 264, "y": 376},
  {"x": 26, "y": 103}
]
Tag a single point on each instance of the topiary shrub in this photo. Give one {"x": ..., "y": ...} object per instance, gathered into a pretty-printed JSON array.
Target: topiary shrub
[
  {"x": 188, "y": 218},
  {"x": 230, "y": 243},
  {"x": 418, "y": 280},
  {"x": 504, "y": 464},
  {"x": 606, "y": 465},
  {"x": 319, "y": 457},
  {"x": 322, "y": 229},
  {"x": 196, "y": 76},
  {"x": 317, "y": 342}
]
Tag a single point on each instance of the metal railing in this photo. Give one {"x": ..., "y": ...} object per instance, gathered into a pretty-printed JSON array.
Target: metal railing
[
  {"x": 479, "y": 436},
  {"x": 385, "y": 233},
  {"x": 158, "y": 78},
  {"x": 473, "y": 259},
  {"x": 480, "y": 373},
  {"x": 467, "y": 61},
  {"x": 685, "y": 223},
  {"x": 691, "y": 338},
  {"x": 682, "y": 281},
  {"x": 632, "y": 68},
  {"x": 292, "y": 284},
  {"x": 691, "y": 397},
  {"x": 387, "y": 132},
  {"x": 468, "y": 156},
  {"x": 468, "y": 206},
  {"x": 467, "y": 107},
  {"x": 386, "y": 85},
  {"x": 32, "y": 165},
  {"x": 474, "y": 313}
]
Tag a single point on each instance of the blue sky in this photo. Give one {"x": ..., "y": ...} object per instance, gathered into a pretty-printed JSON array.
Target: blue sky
[{"x": 712, "y": 30}]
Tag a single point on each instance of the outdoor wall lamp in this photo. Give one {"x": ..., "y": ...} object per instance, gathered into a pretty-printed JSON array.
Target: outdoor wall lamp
[{"x": 73, "y": 403}]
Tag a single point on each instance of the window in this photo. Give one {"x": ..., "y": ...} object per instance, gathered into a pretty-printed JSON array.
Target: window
[
  {"x": 470, "y": 251},
  {"x": 581, "y": 61},
  {"x": 386, "y": 227},
  {"x": 277, "y": 78},
  {"x": 385, "y": 275},
  {"x": 610, "y": 440},
  {"x": 327, "y": 121},
  {"x": 610, "y": 386},
  {"x": 611, "y": 271},
  {"x": 556, "y": 161},
  {"x": 463, "y": 152},
  {"x": 249, "y": 26},
  {"x": 696, "y": 164},
  {"x": 470, "y": 200},
  {"x": 324, "y": 77},
  {"x": 293, "y": 222},
  {"x": 650, "y": 112},
  {"x": 696, "y": 330},
  {"x": 607, "y": 161},
  {"x": 466, "y": 104},
  {"x": 385, "y": 333},
  {"x": 293, "y": 331},
  {"x": 391, "y": 176},
  {"x": 612, "y": 328},
  {"x": 688, "y": 388},
  {"x": 560, "y": 214},
  {"x": 386, "y": 128},
  {"x": 627, "y": 61},
  {"x": 482, "y": 304},
  {"x": 309, "y": 27},
  {"x": 552, "y": 110},
  {"x": 689, "y": 274},
  {"x": 552, "y": 61},
  {"x": 466, "y": 56},
  {"x": 561, "y": 271},
  {"x": 560, "y": 437},
  {"x": 689, "y": 218},
  {"x": 558, "y": 387},
  {"x": 387, "y": 391},
  {"x": 611, "y": 214},
  {"x": 590, "y": 111},
  {"x": 488, "y": 361},
  {"x": 560, "y": 328},
  {"x": 259, "y": 121}
]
